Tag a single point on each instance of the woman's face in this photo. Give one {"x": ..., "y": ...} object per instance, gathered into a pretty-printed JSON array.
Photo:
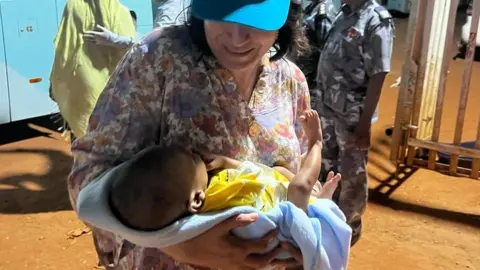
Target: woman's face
[{"x": 236, "y": 46}]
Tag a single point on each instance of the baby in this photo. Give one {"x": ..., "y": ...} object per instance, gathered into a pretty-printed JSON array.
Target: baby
[{"x": 163, "y": 184}]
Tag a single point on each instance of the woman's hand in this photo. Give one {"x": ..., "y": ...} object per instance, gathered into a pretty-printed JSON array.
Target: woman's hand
[
  {"x": 296, "y": 262},
  {"x": 361, "y": 137},
  {"x": 218, "y": 248}
]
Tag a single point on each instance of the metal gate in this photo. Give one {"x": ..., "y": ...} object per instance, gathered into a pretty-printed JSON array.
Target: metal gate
[{"x": 422, "y": 90}]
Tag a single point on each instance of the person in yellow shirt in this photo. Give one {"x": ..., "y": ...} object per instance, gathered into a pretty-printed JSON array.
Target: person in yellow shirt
[
  {"x": 176, "y": 182},
  {"x": 81, "y": 69}
]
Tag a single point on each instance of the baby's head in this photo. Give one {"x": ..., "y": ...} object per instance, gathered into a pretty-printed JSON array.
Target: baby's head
[{"x": 157, "y": 187}]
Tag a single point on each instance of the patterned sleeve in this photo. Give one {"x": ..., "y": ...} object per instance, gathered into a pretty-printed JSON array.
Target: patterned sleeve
[
  {"x": 124, "y": 121},
  {"x": 302, "y": 104},
  {"x": 378, "y": 48}
]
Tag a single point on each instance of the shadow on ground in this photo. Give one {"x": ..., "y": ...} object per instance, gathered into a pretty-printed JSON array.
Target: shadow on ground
[
  {"x": 21, "y": 130},
  {"x": 28, "y": 192},
  {"x": 31, "y": 193},
  {"x": 380, "y": 195}
]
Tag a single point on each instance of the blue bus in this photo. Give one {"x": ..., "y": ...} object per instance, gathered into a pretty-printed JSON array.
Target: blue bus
[{"x": 27, "y": 31}]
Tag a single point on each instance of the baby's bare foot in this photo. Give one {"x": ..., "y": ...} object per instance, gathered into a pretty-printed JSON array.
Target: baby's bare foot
[
  {"x": 330, "y": 185},
  {"x": 311, "y": 124}
]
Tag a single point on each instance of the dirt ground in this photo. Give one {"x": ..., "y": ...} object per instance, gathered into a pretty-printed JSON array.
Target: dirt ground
[{"x": 424, "y": 221}]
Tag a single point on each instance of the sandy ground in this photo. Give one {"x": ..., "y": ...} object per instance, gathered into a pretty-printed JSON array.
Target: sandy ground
[{"x": 425, "y": 220}]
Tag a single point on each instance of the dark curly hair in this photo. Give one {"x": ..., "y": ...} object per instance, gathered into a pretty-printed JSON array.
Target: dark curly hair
[{"x": 291, "y": 38}]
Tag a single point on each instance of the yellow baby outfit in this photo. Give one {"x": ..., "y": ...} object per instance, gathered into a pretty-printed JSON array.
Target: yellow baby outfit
[{"x": 251, "y": 184}]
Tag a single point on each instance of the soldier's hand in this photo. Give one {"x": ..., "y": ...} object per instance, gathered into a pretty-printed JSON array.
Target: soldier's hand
[
  {"x": 363, "y": 143},
  {"x": 361, "y": 137}
]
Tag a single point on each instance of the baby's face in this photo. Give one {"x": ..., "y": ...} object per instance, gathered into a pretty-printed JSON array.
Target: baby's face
[{"x": 201, "y": 174}]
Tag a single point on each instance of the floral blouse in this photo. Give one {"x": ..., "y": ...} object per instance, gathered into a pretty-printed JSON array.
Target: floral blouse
[{"x": 165, "y": 91}]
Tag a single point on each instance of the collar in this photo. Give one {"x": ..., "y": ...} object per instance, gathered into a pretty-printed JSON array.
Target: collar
[
  {"x": 266, "y": 63},
  {"x": 212, "y": 62}
]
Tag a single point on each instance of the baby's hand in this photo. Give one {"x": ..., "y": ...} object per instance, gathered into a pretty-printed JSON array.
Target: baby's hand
[
  {"x": 214, "y": 162},
  {"x": 312, "y": 126}
]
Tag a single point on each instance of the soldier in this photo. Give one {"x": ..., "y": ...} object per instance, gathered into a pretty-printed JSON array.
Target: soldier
[
  {"x": 318, "y": 18},
  {"x": 351, "y": 71}
]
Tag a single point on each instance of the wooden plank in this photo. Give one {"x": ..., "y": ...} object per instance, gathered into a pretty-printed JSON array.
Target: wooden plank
[
  {"x": 447, "y": 52},
  {"x": 404, "y": 145},
  {"x": 409, "y": 73},
  {"x": 422, "y": 68},
  {"x": 476, "y": 161},
  {"x": 435, "y": 50},
  {"x": 444, "y": 168},
  {"x": 432, "y": 158},
  {"x": 444, "y": 147},
  {"x": 471, "y": 44},
  {"x": 467, "y": 73},
  {"x": 406, "y": 127}
]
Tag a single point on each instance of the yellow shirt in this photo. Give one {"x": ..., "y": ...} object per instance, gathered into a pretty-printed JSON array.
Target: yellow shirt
[
  {"x": 251, "y": 184},
  {"x": 81, "y": 70}
]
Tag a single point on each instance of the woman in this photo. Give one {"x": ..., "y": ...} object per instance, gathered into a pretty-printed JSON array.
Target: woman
[
  {"x": 210, "y": 86},
  {"x": 81, "y": 70}
]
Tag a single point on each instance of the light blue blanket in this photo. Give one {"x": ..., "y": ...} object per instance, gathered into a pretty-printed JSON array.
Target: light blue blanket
[{"x": 322, "y": 236}]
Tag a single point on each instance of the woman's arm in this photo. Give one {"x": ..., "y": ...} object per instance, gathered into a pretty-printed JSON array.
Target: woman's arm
[
  {"x": 125, "y": 120},
  {"x": 120, "y": 125}
]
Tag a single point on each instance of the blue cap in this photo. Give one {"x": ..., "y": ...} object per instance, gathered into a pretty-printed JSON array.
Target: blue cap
[{"x": 268, "y": 15}]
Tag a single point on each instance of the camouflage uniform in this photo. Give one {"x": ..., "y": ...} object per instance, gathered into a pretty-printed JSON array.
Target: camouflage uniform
[
  {"x": 358, "y": 47},
  {"x": 319, "y": 15}
]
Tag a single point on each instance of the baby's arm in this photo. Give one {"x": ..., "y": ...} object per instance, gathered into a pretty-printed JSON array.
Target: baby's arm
[
  {"x": 301, "y": 185},
  {"x": 285, "y": 172},
  {"x": 220, "y": 162}
]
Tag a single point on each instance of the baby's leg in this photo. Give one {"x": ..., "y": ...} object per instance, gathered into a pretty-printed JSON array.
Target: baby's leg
[{"x": 302, "y": 184}]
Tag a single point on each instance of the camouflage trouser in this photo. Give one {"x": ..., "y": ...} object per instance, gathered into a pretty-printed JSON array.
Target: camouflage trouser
[{"x": 341, "y": 156}]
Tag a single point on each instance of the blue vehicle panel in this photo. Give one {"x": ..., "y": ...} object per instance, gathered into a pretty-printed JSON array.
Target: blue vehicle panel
[
  {"x": 143, "y": 10},
  {"x": 26, "y": 53},
  {"x": 27, "y": 33},
  {"x": 4, "y": 99}
]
